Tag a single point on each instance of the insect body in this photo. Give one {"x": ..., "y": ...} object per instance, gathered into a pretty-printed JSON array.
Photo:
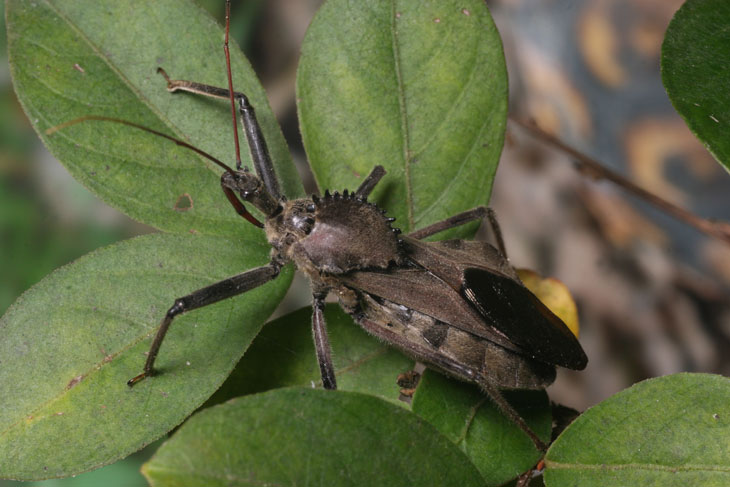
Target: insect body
[{"x": 456, "y": 305}]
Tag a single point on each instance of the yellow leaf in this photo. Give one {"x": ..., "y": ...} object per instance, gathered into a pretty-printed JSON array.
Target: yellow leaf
[{"x": 555, "y": 295}]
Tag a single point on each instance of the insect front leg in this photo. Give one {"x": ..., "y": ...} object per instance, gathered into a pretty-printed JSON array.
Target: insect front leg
[
  {"x": 321, "y": 341},
  {"x": 226, "y": 288},
  {"x": 478, "y": 213},
  {"x": 256, "y": 142}
]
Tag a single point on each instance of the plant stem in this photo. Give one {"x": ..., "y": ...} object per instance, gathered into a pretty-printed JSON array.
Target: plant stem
[{"x": 591, "y": 167}]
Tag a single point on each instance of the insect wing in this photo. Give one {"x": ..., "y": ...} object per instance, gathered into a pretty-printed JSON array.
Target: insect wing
[
  {"x": 488, "y": 283},
  {"x": 419, "y": 290},
  {"x": 511, "y": 308},
  {"x": 420, "y": 314}
]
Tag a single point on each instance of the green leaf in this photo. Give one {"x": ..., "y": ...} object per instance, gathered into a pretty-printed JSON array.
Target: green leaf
[
  {"x": 283, "y": 355},
  {"x": 308, "y": 437},
  {"x": 417, "y": 86},
  {"x": 669, "y": 431},
  {"x": 466, "y": 416},
  {"x": 76, "y": 58},
  {"x": 696, "y": 69},
  {"x": 71, "y": 342}
]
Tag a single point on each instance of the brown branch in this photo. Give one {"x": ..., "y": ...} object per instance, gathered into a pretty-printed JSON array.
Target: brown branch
[{"x": 595, "y": 169}]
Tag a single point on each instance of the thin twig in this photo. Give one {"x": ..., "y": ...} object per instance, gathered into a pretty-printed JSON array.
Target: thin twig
[
  {"x": 524, "y": 479},
  {"x": 595, "y": 169}
]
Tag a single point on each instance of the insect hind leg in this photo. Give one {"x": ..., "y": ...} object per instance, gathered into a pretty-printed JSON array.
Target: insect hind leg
[{"x": 496, "y": 396}]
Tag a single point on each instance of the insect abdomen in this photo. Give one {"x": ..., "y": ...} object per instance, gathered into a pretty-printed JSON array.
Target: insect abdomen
[{"x": 449, "y": 349}]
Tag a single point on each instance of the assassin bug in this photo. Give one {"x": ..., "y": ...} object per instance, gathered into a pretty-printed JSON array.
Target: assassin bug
[{"x": 456, "y": 305}]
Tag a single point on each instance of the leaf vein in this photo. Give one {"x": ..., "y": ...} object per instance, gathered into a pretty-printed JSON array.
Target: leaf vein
[
  {"x": 402, "y": 102},
  {"x": 456, "y": 179},
  {"x": 638, "y": 466}
]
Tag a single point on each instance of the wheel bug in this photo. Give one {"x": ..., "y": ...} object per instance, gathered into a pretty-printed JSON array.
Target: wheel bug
[{"x": 456, "y": 305}]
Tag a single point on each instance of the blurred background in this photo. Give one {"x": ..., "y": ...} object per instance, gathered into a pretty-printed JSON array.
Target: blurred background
[{"x": 653, "y": 293}]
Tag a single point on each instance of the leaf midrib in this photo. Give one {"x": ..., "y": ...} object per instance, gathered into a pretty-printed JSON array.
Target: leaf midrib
[
  {"x": 405, "y": 135},
  {"x": 550, "y": 464}
]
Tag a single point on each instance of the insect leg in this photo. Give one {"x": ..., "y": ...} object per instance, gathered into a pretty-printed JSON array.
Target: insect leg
[
  {"x": 226, "y": 288},
  {"x": 174, "y": 85},
  {"x": 369, "y": 182},
  {"x": 321, "y": 342},
  {"x": 256, "y": 142},
  {"x": 496, "y": 231},
  {"x": 257, "y": 146},
  {"x": 480, "y": 212},
  {"x": 496, "y": 396}
]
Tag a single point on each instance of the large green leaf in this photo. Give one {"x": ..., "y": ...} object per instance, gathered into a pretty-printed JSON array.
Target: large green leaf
[
  {"x": 72, "y": 58},
  {"x": 417, "y": 86},
  {"x": 70, "y": 344},
  {"x": 467, "y": 417},
  {"x": 696, "y": 69},
  {"x": 669, "y": 431},
  {"x": 308, "y": 437}
]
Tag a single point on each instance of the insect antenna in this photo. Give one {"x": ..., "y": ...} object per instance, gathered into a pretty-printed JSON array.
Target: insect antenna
[
  {"x": 240, "y": 209},
  {"x": 179, "y": 142},
  {"x": 230, "y": 85}
]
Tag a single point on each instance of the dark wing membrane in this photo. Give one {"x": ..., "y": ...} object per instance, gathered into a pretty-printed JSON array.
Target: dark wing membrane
[{"x": 511, "y": 308}]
